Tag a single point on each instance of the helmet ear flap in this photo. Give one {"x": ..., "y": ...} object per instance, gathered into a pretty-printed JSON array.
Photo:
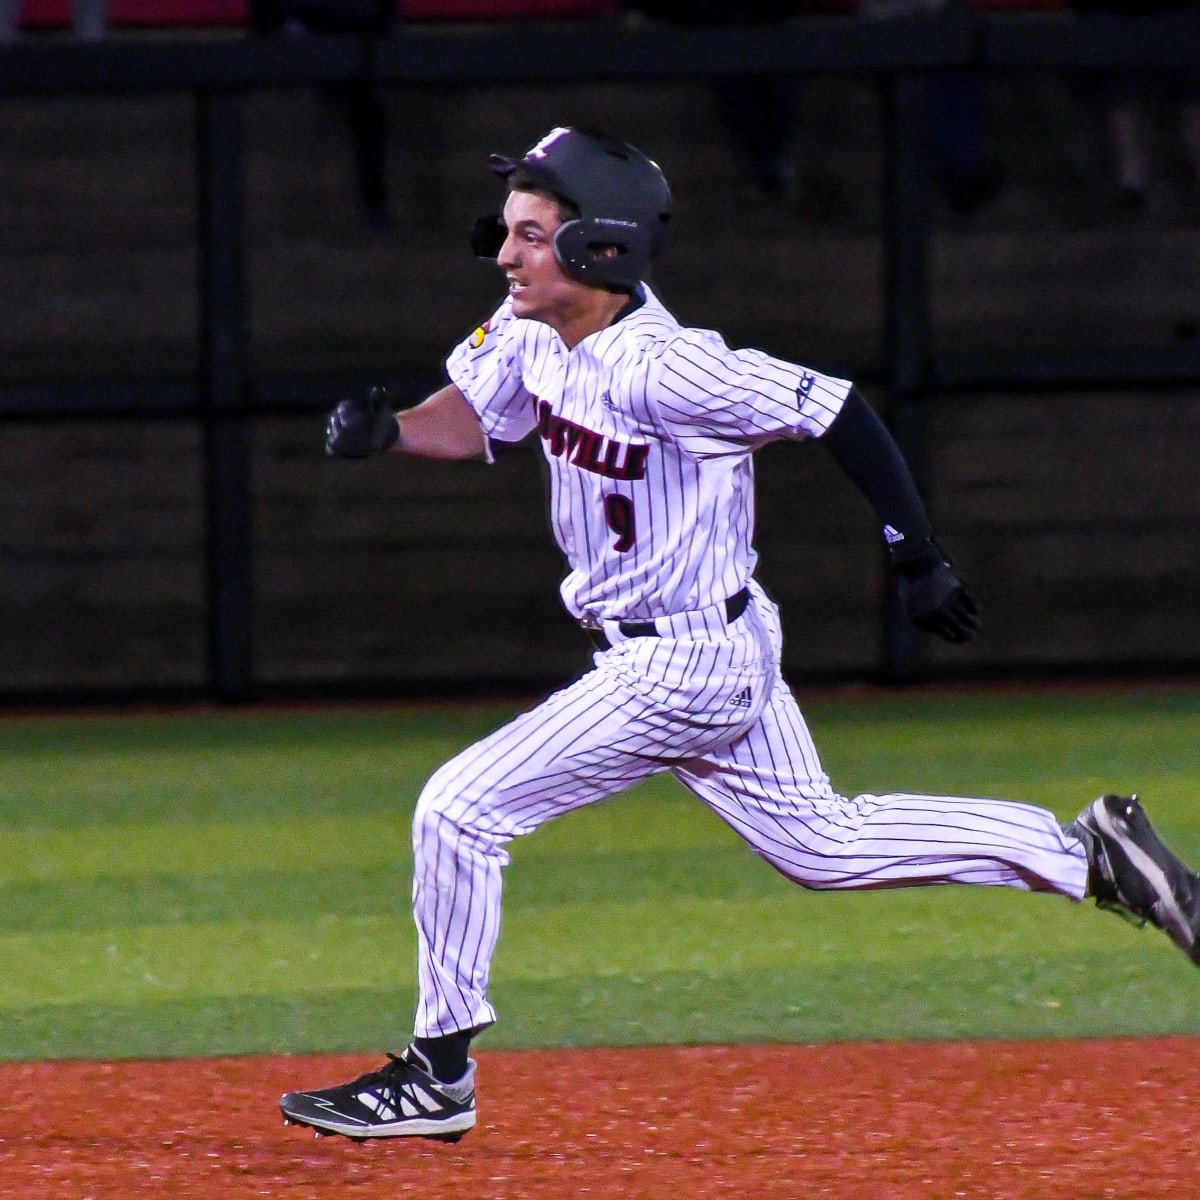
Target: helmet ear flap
[
  {"x": 580, "y": 247},
  {"x": 487, "y": 236}
]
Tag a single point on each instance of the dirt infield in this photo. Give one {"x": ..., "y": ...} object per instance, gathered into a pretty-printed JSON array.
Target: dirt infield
[{"x": 1076, "y": 1120}]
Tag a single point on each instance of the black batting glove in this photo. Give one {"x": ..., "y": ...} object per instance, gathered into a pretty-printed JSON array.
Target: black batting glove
[
  {"x": 362, "y": 428},
  {"x": 934, "y": 596}
]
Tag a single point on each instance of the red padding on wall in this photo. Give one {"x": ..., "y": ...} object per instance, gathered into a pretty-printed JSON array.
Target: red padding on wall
[{"x": 55, "y": 14}]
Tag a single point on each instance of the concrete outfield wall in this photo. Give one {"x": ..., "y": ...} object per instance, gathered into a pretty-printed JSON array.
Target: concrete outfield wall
[{"x": 1075, "y": 516}]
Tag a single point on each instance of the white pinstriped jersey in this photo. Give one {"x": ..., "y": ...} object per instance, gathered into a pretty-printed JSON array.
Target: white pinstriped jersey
[{"x": 649, "y": 429}]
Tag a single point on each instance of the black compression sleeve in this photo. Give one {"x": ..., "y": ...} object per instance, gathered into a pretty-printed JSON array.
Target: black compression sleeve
[{"x": 864, "y": 449}]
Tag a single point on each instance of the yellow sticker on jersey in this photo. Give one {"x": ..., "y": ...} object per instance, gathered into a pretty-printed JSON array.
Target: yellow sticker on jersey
[{"x": 476, "y": 339}]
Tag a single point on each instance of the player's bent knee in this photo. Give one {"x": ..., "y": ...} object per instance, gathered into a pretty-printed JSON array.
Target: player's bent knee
[
  {"x": 447, "y": 822},
  {"x": 430, "y": 819}
]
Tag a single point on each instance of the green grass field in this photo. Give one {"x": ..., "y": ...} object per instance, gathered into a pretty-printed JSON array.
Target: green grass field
[{"x": 231, "y": 883}]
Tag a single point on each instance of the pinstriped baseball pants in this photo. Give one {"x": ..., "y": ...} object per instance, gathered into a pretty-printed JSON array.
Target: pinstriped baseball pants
[{"x": 715, "y": 711}]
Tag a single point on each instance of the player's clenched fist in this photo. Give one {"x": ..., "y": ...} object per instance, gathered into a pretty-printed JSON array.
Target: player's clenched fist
[{"x": 362, "y": 428}]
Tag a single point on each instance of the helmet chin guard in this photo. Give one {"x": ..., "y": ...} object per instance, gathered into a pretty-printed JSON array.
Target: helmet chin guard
[{"x": 621, "y": 195}]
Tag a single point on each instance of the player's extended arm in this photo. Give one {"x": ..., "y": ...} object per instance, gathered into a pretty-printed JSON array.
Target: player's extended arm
[
  {"x": 934, "y": 595},
  {"x": 442, "y": 426}
]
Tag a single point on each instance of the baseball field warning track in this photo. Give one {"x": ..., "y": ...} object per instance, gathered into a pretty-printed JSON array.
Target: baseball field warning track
[{"x": 1076, "y": 1120}]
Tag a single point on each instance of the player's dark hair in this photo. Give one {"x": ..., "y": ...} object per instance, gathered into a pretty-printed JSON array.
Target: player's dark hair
[{"x": 522, "y": 181}]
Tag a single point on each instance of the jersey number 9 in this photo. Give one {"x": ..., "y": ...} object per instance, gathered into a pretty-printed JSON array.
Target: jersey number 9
[{"x": 618, "y": 512}]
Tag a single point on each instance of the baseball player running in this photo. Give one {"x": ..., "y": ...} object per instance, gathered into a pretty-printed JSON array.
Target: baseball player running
[{"x": 649, "y": 429}]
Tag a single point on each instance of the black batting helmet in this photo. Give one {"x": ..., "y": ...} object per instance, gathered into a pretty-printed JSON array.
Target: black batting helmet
[{"x": 621, "y": 195}]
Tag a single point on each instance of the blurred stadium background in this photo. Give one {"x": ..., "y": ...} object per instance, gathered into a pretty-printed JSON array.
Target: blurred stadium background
[{"x": 189, "y": 278}]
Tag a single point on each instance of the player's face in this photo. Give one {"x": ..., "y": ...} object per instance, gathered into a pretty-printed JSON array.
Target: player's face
[{"x": 540, "y": 289}]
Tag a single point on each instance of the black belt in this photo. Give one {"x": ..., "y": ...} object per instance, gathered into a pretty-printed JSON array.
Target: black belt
[{"x": 734, "y": 607}]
